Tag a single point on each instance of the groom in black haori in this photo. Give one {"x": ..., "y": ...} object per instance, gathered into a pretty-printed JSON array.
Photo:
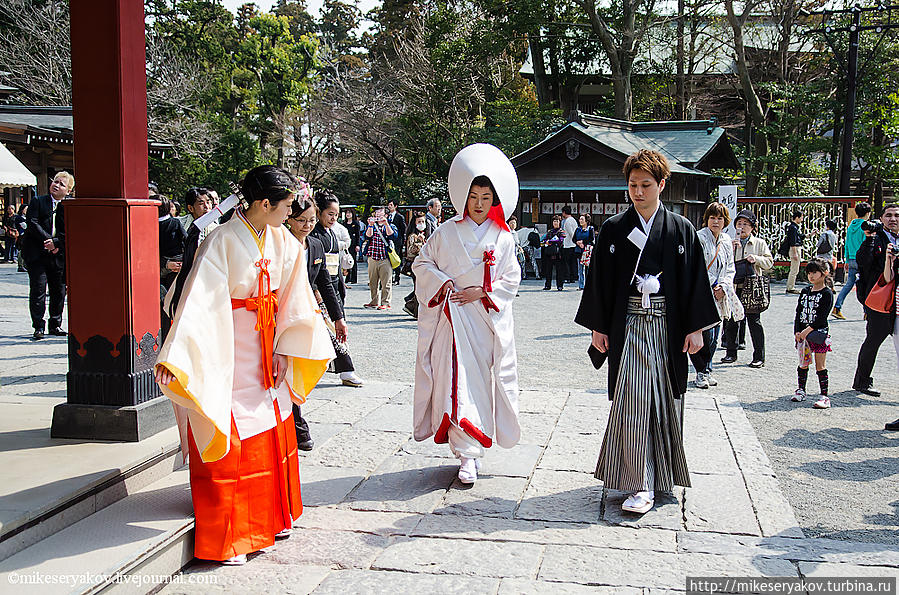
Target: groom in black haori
[{"x": 647, "y": 300}]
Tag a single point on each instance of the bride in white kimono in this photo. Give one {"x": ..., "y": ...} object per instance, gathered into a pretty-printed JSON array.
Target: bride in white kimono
[{"x": 467, "y": 276}]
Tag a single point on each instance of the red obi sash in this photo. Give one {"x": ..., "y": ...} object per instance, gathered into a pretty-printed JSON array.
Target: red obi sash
[{"x": 266, "y": 306}]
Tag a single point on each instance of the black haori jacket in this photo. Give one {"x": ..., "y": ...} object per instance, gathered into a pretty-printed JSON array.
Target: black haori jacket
[{"x": 689, "y": 303}]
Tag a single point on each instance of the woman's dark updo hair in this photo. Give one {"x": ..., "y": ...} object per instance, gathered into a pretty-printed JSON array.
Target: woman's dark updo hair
[
  {"x": 324, "y": 199},
  {"x": 300, "y": 206},
  {"x": 165, "y": 205},
  {"x": 484, "y": 182},
  {"x": 268, "y": 181}
]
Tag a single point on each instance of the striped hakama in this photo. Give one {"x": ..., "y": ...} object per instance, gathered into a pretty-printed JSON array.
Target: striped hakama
[{"x": 643, "y": 445}]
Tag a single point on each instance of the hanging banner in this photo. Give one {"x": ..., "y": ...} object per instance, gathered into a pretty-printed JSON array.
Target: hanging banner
[{"x": 727, "y": 195}]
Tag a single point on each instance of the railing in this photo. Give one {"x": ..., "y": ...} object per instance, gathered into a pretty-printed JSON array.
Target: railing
[{"x": 774, "y": 212}]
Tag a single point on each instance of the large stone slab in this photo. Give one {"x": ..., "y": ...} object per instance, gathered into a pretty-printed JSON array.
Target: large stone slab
[
  {"x": 321, "y": 433},
  {"x": 536, "y": 428},
  {"x": 497, "y": 529},
  {"x": 469, "y": 558},
  {"x": 572, "y": 452},
  {"x": 546, "y": 402},
  {"x": 312, "y": 404},
  {"x": 364, "y": 449},
  {"x": 256, "y": 578},
  {"x": 591, "y": 398},
  {"x": 721, "y": 504},
  {"x": 345, "y": 411},
  {"x": 582, "y": 420},
  {"x": 341, "y": 519},
  {"x": 693, "y": 400},
  {"x": 388, "y": 418},
  {"x": 702, "y": 422},
  {"x": 772, "y": 509},
  {"x": 829, "y": 569},
  {"x": 518, "y": 461},
  {"x": 710, "y": 454},
  {"x": 597, "y": 566},
  {"x": 331, "y": 388},
  {"x": 666, "y": 514},
  {"x": 337, "y": 549},
  {"x": 561, "y": 496},
  {"x": 750, "y": 456},
  {"x": 517, "y": 586},
  {"x": 809, "y": 550},
  {"x": 495, "y": 496},
  {"x": 406, "y": 484},
  {"x": 328, "y": 485},
  {"x": 426, "y": 448},
  {"x": 367, "y": 582}
]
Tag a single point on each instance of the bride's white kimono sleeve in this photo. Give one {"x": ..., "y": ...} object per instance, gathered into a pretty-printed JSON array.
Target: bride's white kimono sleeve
[
  {"x": 199, "y": 350},
  {"x": 466, "y": 370}
]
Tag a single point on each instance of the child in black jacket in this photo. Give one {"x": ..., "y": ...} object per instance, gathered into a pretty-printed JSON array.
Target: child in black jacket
[{"x": 810, "y": 329}]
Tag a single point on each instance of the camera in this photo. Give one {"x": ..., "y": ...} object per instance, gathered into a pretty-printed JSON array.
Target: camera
[
  {"x": 873, "y": 225},
  {"x": 894, "y": 249}
]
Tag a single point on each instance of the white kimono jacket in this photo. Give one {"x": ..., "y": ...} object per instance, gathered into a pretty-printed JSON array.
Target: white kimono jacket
[
  {"x": 215, "y": 351},
  {"x": 466, "y": 371}
]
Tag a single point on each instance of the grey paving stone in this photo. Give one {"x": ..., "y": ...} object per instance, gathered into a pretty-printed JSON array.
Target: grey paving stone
[
  {"x": 572, "y": 452},
  {"x": 405, "y": 483},
  {"x": 367, "y": 582},
  {"x": 590, "y": 398},
  {"x": 256, "y": 577},
  {"x": 583, "y": 420},
  {"x": 829, "y": 569},
  {"x": 391, "y": 417},
  {"x": 710, "y": 454},
  {"x": 328, "y": 485},
  {"x": 807, "y": 549},
  {"x": 331, "y": 388},
  {"x": 321, "y": 433},
  {"x": 703, "y": 422},
  {"x": 733, "y": 416},
  {"x": 470, "y": 558},
  {"x": 697, "y": 401},
  {"x": 427, "y": 448},
  {"x": 497, "y": 529},
  {"x": 404, "y": 397},
  {"x": 365, "y": 449},
  {"x": 495, "y": 496},
  {"x": 561, "y": 496},
  {"x": 772, "y": 509},
  {"x": 518, "y": 461},
  {"x": 345, "y": 411},
  {"x": 666, "y": 514},
  {"x": 721, "y": 504},
  {"x": 536, "y": 427},
  {"x": 597, "y": 566},
  {"x": 750, "y": 456},
  {"x": 548, "y": 402},
  {"x": 337, "y": 549},
  {"x": 341, "y": 519},
  {"x": 525, "y": 587},
  {"x": 311, "y": 405}
]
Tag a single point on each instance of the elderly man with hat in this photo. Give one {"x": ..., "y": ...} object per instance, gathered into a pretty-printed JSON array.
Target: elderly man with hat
[{"x": 752, "y": 256}]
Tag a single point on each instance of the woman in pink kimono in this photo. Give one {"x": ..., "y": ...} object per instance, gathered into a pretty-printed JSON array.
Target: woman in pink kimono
[{"x": 466, "y": 377}]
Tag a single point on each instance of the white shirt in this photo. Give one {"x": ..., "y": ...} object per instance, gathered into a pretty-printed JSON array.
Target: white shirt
[
  {"x": 569, "y": 225},
  {"x": 53, "y": 217},
  {"x": 647, "y": 225}
]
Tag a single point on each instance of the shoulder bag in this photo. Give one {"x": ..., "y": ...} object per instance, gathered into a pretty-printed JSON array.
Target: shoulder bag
[
  {"x": 882, "y": 296},
  {"x": 755, "y": 294},
  {"x": 392, "y": 256}
]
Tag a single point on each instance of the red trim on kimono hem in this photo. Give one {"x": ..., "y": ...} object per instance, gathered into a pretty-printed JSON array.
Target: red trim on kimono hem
[
  {"x": 441, "y": 436},
  {"x": 470, "y": 429}
]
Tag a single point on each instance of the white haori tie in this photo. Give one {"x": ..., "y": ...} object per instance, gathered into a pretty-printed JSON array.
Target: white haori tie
[{"x": 647, "y": 285}]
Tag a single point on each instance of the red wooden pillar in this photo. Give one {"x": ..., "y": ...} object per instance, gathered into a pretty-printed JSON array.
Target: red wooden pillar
[{"x": 111, "y": 234}]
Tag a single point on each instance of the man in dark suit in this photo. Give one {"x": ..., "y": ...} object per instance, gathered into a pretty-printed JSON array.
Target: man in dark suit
[
  {"x": 396, "y": 219},
  {"x": 43, "y": 251}
]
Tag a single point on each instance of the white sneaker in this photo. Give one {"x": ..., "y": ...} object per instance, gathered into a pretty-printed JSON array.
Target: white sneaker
[
  {"x": 798, "y": 396},
  {"x": 822, "y": 403},
  {"x": 711, "y": 380},
  {"x": 641, "y": 502},
  {"x": 350, "y": 379},
  {"x": 468, "y": 471},
  {"x": 701, "y": 381},
  {"x": 283, "y": 534},
  {"x": 238, "y": 560}
]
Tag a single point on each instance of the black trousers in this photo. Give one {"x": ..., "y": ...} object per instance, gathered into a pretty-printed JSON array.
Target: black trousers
[
  {"x": 302, "y": 427},
  {"x": 878, "y": 328},
  {"x": 411, "y": 299},
  {"x": 756, "y": 332},
  {"x": 559, "y": 265},
  {"x": 569, "y": 261},
  {"x": 44, "y": 272}
]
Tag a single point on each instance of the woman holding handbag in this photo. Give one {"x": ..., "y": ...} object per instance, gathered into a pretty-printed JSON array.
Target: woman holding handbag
[
  {"x": 552, "y": 254},
  {"x": 752, "y": 257}
]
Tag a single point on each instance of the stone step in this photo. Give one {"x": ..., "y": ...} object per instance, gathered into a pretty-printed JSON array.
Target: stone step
[
  {"x": 131, "y": 546},
  {"x": 68, "y": 493}
]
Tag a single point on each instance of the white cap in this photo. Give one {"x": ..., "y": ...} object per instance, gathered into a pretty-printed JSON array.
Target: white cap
[{"x": 483, "y": 160}]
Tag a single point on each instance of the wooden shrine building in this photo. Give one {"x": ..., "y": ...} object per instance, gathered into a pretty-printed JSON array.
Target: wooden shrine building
[{"x": 580, "y": 165}]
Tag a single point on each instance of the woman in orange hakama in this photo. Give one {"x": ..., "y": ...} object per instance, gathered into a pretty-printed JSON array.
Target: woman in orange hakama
[{"x": 247, "y": 341}]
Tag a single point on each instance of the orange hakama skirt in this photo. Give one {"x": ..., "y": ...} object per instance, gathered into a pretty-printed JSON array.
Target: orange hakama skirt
[{"x": 242, "y": 500}]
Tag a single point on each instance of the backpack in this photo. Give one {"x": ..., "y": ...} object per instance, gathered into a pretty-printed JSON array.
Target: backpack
[
  {"x": 784, "y": 248},
  {"x": 826, "y": 244},
  {"x": 534, "y": 239}
]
